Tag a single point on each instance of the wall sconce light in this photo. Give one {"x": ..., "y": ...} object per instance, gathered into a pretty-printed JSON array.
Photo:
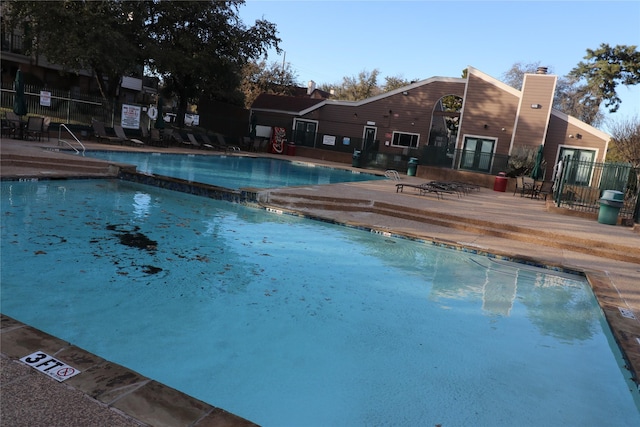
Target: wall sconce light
[
  {"x": 536, "y": 106},
  {"x": 405, "y": 93},
  {"x": 355, "y": 115},
  {"x": 578, "y": 136},
  {"x": 570, "y": 136},
  {"x": 503, "y": 129},
  {"x": 486, "y": 126}
]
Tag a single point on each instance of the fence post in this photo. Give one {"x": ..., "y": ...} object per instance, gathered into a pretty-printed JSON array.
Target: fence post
[{"x": 69, "y": 107}]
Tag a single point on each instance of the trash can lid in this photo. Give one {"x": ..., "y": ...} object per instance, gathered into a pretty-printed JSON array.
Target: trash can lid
[
  {"x": 612, "y": 203},
  {"x": 613, "y": 195}
]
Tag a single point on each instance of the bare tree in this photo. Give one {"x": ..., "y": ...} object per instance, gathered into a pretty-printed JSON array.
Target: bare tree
[
  {"x": 260, "y": 77},
  {"x": 571, "y": 97},
  {"x": 514, "y": 77},
  {"x": 625, "y": 135}
]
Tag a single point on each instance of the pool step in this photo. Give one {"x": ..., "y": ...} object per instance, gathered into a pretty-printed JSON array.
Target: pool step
[
  {"x": 21, "y": 165},
  {"x": 312, "y": 203}
]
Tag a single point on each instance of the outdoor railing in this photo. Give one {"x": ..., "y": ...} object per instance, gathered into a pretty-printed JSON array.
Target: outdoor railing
[
  {"x": 62, "y": 106},
  {"x": 582, "y": 184}
]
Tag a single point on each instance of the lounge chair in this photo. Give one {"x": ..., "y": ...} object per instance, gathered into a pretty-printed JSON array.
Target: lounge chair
[
  {"x": 223, "y": 144},
  {"x": 120, "y": 134},
  {"x": 453, "y": 187},
  {"x": 194, "y": 141},
  {"x": 175, "y": 136},
  {"x": 14, "y": 124},
  {"x": 34, "y": 128},
  {"x": 206, "y": 142},
  {"x": 155, "y": 139},
  {"x": 425, "y": 188},
  {"x": 101, "y": 133}
]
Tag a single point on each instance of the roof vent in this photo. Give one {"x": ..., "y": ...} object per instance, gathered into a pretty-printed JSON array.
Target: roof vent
[{"x": 542, "y": 70}]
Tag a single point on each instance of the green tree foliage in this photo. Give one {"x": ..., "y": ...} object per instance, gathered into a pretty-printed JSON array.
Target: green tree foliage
[
  {"x": 364, "y": 85},
  {"x": 200, "y": 47},
  {"x": 355, "y": 88},
  {"x": 578, "y": 101},
  {"x": 394, "y": 82},
  {"x": 604, "y": 69},
  {"x": 275, "y": 78},
  {"x": 103, "y": 36}
]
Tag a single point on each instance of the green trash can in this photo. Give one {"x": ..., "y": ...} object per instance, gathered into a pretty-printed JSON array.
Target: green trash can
[
  {"x": 356, "y": 158},
  {"x": 413, "y": 165},
  {"x": 610, "y": 204}
]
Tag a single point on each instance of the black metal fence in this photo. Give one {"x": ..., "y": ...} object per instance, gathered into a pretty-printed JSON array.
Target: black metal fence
[
  {"x": 469, "y": 160},
  {"x": 62, "y": 106},
  {"x": 582, "y": 184},
  {"x": 339, "y": 143}
]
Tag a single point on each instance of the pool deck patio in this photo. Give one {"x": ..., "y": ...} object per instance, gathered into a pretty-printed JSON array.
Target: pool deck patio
[{"x": 514, "y": 227}]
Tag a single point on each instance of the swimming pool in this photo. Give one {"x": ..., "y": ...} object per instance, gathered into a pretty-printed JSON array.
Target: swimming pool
[
  {"x": 287, "y": 321},
  {"x": 234, "y": 172}
]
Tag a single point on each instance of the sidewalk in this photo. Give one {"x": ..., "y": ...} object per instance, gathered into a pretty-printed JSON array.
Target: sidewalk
[{"x": 487, "y": 221}]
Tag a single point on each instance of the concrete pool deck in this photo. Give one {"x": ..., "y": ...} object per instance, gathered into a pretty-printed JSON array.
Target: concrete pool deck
[{"x": 517, "y": 228}]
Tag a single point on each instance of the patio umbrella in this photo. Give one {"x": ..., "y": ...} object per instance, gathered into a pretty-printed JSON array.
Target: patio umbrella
[
  {"x": 19, "y": 104},
  {"x": 536, "y": 172},
  {"x": 254, "y": 124},
  {"x": 159, "y": 124}
]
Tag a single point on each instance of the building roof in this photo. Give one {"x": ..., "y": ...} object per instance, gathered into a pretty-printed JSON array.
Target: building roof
[
  {"x": 281, "y": 103},
  {"x": 303, "y": 104}
]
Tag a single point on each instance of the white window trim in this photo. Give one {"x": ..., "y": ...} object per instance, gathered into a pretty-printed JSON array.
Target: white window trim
[
  {"x": 364, "y": 131},
  {"x": 296, "y": 120},
  {"x": 405, "y": 133},
  {"x": 488, "y": 138}
]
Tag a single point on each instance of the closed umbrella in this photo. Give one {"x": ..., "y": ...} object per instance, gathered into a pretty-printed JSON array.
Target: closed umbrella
[
  {"x": 159, "y": 124},
  {"x": 19, "y": 103},
  {"x": 536, "y": 172},
  {"x": 254, "y": 124}
]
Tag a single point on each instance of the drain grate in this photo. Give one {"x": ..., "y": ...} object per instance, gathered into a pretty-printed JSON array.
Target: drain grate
[{"x": 626, "y": 313}]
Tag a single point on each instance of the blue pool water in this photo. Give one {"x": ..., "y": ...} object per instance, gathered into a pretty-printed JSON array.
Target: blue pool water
[
  {"x": 234, "y": 172},
  {"x": 292, "y": 322}
]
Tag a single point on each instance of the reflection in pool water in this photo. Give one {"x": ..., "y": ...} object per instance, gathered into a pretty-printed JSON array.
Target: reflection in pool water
[
  {"x": 287, "y": 321},
  {"x": 234, "y": 172}
]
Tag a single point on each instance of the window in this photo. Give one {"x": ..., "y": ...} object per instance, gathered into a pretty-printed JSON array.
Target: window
[
  {"x": 477, "y": 154},
  {"x": 401, "y": 139}
]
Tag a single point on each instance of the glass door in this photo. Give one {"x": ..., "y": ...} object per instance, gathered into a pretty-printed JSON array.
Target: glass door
[
  {"x": 477, "y": 154},
  {"x": 579, "y": 165},
  {"x": 368, "y": 138},
  {"x": 305, "y": 132}
]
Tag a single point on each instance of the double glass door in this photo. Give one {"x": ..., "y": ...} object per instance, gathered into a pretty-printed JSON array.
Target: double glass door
[{"x": 477, "y": 154}]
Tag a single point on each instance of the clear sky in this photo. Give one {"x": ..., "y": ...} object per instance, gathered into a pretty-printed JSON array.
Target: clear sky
[{"x": 327, "y": 40}]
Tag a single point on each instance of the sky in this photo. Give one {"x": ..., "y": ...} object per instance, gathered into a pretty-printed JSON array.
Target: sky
[{"x": 327, "y": 40}]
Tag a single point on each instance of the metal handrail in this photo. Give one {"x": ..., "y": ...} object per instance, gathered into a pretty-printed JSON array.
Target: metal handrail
[{"x": 60, "y": 140}]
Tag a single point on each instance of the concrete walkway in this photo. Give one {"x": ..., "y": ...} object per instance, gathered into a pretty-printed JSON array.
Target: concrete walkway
[{"x": 517, "y": 228}]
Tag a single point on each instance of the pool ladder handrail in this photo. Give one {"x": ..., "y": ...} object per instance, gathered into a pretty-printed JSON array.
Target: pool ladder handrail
[{"x": 64, "y": 141}]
